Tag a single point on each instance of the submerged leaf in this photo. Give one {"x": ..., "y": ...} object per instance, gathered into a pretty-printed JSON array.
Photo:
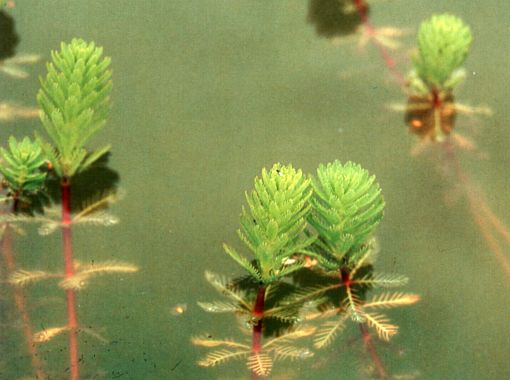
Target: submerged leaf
[
  {"x": 328, "y": 331},
  {"x": 80, "y": 279},
  {"x": 217, "y": 357},
  {"x": 383, "y": 280},
  {"x": 219, "y": 307},
  {"x": 99, "y": 218},
  {"x": 93, "y": 334},
  {"x": 47, "y": 334},
  {"x": 209, "y": 342},
  {"x": 48, "y": 228},
  {"x": 385, "y": 330},
  {"x": 23, "y": 277},
  {"x": 291, "y": 352},
  {"x": 92, "y": 206},
  {"x": 389, "y": 300},
  {"x": 221, "y": 284},
  {"x": 260, "y": 363}
]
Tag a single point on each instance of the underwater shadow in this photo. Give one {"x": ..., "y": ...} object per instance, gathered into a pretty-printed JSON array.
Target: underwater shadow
[
  {"x": 98, "y": 180},
  {"x": 9, "y": 39},
  {"x": 333, "y": 18}
]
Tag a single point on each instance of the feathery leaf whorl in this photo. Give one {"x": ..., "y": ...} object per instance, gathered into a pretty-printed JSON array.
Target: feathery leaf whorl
[
  {"x": 21, "y": 166},
  {"x": 443, "y": 44},
  {"x": 272, "y": 226},
  {"x": 75, "y": 101},
  {"x": 346, "y": 207}
]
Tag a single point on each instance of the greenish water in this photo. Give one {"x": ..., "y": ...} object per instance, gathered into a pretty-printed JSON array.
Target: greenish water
[{"x": 206, "y": 93}]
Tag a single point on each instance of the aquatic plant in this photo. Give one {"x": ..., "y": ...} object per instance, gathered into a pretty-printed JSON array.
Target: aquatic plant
[
  {"x": 444, "y": 42},
  {"x": 21, "y": 168},
  {"x": 344, "y": 206},
  {"x": 347, "y": 206},
  {"x": 74, "y": 100},
  {"x": 443, "y": 45},
  {"x": 22, "y": 178},
  {"x": 272, "y": 229}
]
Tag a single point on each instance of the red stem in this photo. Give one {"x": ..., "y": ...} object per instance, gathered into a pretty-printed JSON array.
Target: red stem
[
  {"x": 390, "y": 63},
  {"x": 258, "y": 314},
  {"x": 436, "y": 100},
  {"x": 67, "y": 239},
  {"x": 19, "y": 299}
]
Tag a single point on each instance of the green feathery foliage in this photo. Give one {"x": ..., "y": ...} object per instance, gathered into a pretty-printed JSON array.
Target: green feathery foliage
[
  {"x": 75, "y": 102},
  {"x": 346, "y": 208},
  {"x": 443, "y": 45},
  {"x": 21, "y": 167},
  {"x": 272, "y": 226}
]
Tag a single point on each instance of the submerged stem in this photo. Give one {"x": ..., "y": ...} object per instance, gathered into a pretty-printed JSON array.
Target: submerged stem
[
  {"x": 480, "y": 211},
  {"x": 362, "y": 9},
  {"x": 370, "y": 347},
  {"x": 346, "y": 280},
  {"x": 258, "y": 314},
  {"x": 67, "y": 240},
  {"x": 19, "y": 299}
]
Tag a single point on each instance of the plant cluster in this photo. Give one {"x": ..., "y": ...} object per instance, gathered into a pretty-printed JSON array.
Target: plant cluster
[
  {"x": 75, "y": 101},
  {"x": 443, "y": 45},
  {"x": 292, "y": 222},
  {"x": 21, "y": 168}
]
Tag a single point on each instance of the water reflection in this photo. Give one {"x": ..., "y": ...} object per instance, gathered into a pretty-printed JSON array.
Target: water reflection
[
  {"x": 9, "y": 39},
  {"x": 98, "y": 180},
  {"x": 10, "y": 62},
  {"x": 11, "y": 112},
  {"x": 333, "y": 18}
]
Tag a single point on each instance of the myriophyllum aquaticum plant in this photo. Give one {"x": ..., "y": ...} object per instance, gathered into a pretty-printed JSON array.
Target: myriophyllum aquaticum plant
[
  {"x": 23, "y": 180},
  {"x": 272, "y": 229},
  {"x": 75, "y": 101},
  {"x": 329, "y": 221},
  {"x": 347, "y": 206},
  {"x": 443, "y": 46}
]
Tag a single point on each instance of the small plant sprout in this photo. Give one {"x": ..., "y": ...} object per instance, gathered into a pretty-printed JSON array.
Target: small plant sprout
[
  {"x": 443, "y": 46},
  {"x": 23, "y": 179},
  {"x": 21, "y": 168},
  {"x": 344, "y": 206},
  {"x": 75, "y": 101},
  {"x": 272, "y": 228},
  {"x": 347, "y": 206}
]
